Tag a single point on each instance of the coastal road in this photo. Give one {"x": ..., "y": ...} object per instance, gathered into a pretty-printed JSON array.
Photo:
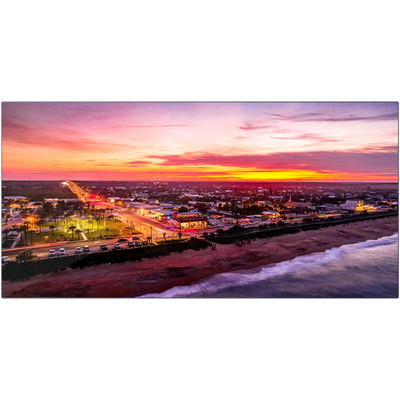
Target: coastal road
[
  {"x": 15, "y": 219},
  {"x": 146, "y": 225},
  {"x": 42, "y": 251}
]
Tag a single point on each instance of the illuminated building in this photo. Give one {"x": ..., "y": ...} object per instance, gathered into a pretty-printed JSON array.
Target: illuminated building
[
  {"x": 7, "y": 210},
  {"x": 244, "y": 221},
  {"x": 14, "y": 198},
  {"x": 353, "y": 204},
  {"x": 288, "y": 214},
  {"x": 164, "y": 215},
  {"x": 271, "y": 214},
  {"x": 189, "y": 220}
]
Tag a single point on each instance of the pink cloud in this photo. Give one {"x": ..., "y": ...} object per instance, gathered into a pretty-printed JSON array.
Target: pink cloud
[{"x": 250, "y": 127}]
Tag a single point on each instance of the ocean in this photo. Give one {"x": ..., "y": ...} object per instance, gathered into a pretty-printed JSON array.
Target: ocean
[{"x": 368, "y": 269}]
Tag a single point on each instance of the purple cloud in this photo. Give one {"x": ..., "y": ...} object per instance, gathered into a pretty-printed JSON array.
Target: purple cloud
[
  {"x": 250, "y": 127},
  {"x": 307, "y": 136},
  {"x": 148, "y": 126},
  {"x": 321, "y": 117},
  {"x": 366, "y": 162}
]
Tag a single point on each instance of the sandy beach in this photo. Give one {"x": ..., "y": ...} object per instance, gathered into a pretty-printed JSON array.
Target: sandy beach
[{"x": 156, "y": 275}]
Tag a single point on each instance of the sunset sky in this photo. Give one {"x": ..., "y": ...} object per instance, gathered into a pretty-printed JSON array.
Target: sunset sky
[{"x": 200, "y": 141}]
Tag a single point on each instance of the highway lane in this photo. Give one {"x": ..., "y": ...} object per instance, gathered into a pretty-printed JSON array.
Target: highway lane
[
  {"x": 140, "y": 221},
  {"x": 149, "y": 228},
  {"x": 15, "y": 219},
  {"x": 70, "y": 248},
  {"x": 145, "y": 224}
]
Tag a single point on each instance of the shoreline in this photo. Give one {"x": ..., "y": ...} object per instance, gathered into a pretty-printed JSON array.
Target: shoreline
[{"x": 133, "y": 279}]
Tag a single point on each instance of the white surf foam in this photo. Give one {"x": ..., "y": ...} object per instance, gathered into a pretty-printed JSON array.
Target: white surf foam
[{"x": 302, "y": 263}]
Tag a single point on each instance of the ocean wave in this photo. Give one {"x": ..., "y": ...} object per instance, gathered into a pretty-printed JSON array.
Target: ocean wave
[{"x": 227, "y": 280}]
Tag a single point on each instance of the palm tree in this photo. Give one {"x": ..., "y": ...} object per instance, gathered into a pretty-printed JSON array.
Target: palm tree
[
  {"x": 40, "y": 223},
  {"x": 25, "y": 227},
  {"x": 67, "y": 217},
  {"x": 55, "y": 219},
  {"x": 103, "y": 211},
  {"x": 164, "y": 236},
  {"x": 78, "y": 231},
  {"x": 72, "y": 228},
  {"x": 98, "y": 219},
  {"x": 31, "y": 231},
  {"x": 107, "y": 231},
  {"x": 52, "y": 228},
  {"x": 88, "y": 228}
]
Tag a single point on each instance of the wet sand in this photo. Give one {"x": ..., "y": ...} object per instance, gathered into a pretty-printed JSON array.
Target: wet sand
[{"x": 156, "y": 275}]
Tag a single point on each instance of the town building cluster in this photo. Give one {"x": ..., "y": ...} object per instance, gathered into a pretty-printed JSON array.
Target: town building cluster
[{"x": 207, "y": 204}]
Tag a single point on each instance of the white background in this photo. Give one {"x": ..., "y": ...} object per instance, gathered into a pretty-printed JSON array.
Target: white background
[{"x": 194, "y": 51}]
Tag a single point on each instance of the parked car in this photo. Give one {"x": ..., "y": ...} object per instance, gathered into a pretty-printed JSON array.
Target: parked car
[
  {"x": 122, "y": 240},
  {"x": 61, "y": 252},
  {"x": 78, "y": 250},
  {"x": 117, "y": 246},
  {"x": 134, "y": 238},
  {"x": 86, "y": 249},
  {"x": 145, "y": 243},
  {"x": 131, "y": 243},
  {"x": 5, "y": 259},
  {"x": 52, "y": 253},
  {"x": 138, "y": 244},
  {"x": 103, "y": 247}
]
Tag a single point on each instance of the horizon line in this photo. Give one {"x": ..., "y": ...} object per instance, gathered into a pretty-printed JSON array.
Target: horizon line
[{"x": 164, "y": 180}]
